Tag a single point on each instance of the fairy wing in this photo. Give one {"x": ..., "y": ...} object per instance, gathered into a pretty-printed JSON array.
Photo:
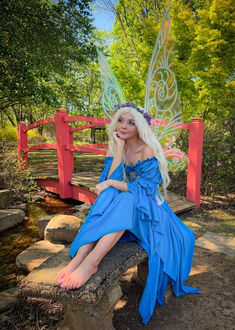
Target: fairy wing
[
  {"x": 177, "y": 160},
  {"x": 161, "y": 96},
  {"x": 112, "y": 93}
]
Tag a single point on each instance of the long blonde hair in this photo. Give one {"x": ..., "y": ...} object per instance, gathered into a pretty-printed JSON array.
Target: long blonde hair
[{"x": 146, "y": 135}]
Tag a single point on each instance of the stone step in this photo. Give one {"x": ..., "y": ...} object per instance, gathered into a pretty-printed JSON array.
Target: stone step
[
  {"x": 217, "y": 243},
  {"x": 62, "y": 228},
  {"x": 36, "y": 254},
  {"x": 5, "y": 198},
  {"x": 10, "y": 218}
]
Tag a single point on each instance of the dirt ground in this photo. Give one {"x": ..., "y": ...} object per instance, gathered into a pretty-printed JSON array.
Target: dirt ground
[{"x": 212, "y": 273}]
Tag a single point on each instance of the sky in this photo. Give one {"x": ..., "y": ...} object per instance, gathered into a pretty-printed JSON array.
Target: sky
[{"x": 103, "y": 19}]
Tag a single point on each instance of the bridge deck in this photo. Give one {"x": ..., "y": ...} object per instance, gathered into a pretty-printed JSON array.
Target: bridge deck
[{"x": 87, "y": 170}]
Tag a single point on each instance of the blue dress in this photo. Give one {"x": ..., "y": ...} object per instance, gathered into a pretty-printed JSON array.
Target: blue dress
[{"x": 148, "y": 220}]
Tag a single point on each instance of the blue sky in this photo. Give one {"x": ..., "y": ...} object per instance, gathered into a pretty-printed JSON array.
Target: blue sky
[{"x": 103, "y": 19}]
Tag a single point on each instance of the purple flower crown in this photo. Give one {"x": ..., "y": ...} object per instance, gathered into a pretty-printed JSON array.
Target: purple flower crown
[{"x": 146, "y": 116}]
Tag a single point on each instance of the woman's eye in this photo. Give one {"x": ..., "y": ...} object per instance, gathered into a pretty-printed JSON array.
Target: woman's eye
[
  {"x": 131, "y": 123},
  {"x": 120, "y": 120}
]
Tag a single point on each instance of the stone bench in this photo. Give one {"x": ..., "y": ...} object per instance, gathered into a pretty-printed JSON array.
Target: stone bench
[{"x": 91, "y": 306}]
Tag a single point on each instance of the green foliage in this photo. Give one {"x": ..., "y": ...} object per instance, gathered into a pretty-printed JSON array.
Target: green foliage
[
  {"x": 35, "y": 137},
  {"x": 204, "y": 45},
  {"x": 203, "y": 34},
  {"x": 13, "y": 179},
  {"x": 8, "y": 134},
  {"x": 40, "y": 42},
  {"x": 135, "y": 31},
  {"x": 218, "y": 159}
]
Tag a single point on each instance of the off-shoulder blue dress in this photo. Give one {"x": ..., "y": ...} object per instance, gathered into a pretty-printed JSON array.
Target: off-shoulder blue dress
[{"x": 148, "y": 220}]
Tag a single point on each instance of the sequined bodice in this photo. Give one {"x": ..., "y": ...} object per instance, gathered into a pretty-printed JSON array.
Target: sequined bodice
[{"x": 133, "y": 172}]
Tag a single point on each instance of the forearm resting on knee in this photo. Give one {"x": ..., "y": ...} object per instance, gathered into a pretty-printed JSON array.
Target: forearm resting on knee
[{"x": 120, "y": 185}]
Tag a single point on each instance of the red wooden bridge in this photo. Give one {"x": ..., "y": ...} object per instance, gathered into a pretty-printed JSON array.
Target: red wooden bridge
[{"x": 72, "y": 171}]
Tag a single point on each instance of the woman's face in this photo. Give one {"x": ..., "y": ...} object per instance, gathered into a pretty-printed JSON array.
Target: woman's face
[{"x": 126, "y": 128}]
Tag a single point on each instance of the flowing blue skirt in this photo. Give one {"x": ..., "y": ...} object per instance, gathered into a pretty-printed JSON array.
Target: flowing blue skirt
[{"x": 169, "y": 243}]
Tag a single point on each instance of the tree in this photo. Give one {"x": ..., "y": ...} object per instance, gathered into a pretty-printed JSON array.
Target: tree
[
  {"x": 40, "y": 40},
  {"x": 203, "y": 34},
  {"x": 204, "y": 40},
  {"x": 135, "y": 31}
]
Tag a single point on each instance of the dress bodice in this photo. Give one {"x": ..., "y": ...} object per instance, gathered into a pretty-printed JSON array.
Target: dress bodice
[
  {"x": 147, "y": 173},
  {"x": 142, "y": 178}
]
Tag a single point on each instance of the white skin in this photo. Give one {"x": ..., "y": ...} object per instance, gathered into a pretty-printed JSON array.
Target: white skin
[{"x": 88, "y": 257}]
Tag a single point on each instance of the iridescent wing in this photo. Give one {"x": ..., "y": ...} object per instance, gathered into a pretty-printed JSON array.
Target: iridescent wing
[
  {"x": 177, "y": 160},
  {"x": 161, "y": 97},
  {"x": 112, "y": 93}
]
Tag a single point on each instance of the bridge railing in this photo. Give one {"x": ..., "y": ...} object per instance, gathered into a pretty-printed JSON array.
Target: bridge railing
[{"x": 65, "y": 149}]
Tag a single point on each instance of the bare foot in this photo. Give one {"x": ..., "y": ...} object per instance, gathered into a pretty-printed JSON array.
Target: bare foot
[
  {"x": 67, "y": 270},
  {"x": 80, "y": 275},
  {"x": 75, "y": 262}
]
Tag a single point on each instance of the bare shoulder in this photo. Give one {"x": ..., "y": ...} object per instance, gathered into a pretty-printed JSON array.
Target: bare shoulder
[{"x": 147, "y": 152}]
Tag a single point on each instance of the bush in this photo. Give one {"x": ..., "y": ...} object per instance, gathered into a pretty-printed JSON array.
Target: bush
[
  {"x": 8, "y": 135},
  {"x": 11, "y": 178},
  {"x": 218, "y": 160},
  {"x": 35, "y": 137},
  {"x": 217, "y": 164}
]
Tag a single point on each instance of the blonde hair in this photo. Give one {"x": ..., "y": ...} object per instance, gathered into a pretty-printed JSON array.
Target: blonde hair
[{"x": 146, "y": 135}]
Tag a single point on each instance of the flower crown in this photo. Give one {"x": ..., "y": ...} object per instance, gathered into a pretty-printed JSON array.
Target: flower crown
[{"x": 146, "y": 116}]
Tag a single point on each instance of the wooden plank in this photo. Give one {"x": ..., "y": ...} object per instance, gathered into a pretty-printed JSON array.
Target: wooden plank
[{"x": 87, "y": 180}]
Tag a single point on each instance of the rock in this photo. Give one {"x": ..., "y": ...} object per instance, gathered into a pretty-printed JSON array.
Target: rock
[
  {"x": 10, "y": 218},
  {"x": 85, "y": 207},
  {"x": 37, "y": 198},
  {"x": 36, "y": 254},
  {"x": 5, "y": 198},
  {"x": 77, "y": 207},
  {"x": 8, "y": 298},
  {"x": 41, "y": 282},
  {"x": 42, "y": 223},
  {"x": 62, "y": 228},
  {"x": 217, "y": 243},
  {"x": 91, "y": 306},
  {"x": 22, "y": 206},
  {"x": 228, "y": 312},
  {"x": 82, "y": 210}
]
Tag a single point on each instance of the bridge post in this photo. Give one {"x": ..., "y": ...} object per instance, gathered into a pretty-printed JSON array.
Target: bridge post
[
  {"x": 196, "y": 133},
  {"x": 22, "y": 144},
  {"x": 65, "y": 157}
]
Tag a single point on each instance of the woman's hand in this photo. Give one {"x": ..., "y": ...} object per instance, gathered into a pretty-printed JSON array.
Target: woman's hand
[
  {"x": 102, "y": 186},
  {"x": 120, "y": 142}
]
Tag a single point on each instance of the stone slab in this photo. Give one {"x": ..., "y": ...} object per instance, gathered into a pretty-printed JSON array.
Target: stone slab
[
  {"x": 5, "y": 198},
  {"x": 41, "y": 282},
  {"x": 42, "y": 223},
  {"x": 217, "y": 243},
  {"x": 36, "y": 254},
  {"x": 82, "y": 210},
  {"x": 21, "y": 206},
  {"x": 10, "y": 218},
  {"x": 62, "y": 228},
  {"x": 8, "y": 298}
]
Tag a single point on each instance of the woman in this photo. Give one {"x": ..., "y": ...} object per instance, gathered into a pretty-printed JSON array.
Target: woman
[{"x": 130, "y": 207}]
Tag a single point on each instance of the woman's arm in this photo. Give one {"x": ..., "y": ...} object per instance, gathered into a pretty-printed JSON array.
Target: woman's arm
[
  {"x": 117, "y": 159},
  {"x": 122, "y": 186}
]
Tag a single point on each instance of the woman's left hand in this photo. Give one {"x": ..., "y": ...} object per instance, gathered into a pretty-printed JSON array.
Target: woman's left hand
[{"x": 102, "y": 186}]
